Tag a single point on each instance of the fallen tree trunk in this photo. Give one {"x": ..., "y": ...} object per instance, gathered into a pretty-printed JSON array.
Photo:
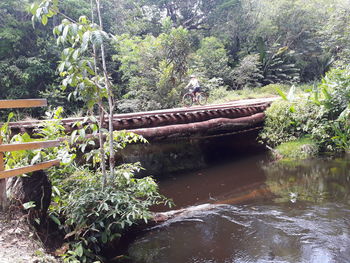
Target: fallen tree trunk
[{"x": 204, "y": 128}]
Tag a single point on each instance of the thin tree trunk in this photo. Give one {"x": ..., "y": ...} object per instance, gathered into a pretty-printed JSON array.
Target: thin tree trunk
[
  {"x": 101, "y": 113},
  {"x": 110, "y": 98},
  {"x": 101, "y": 142}
]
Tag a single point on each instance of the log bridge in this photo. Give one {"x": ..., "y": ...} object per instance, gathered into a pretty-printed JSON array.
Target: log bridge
[{"x": 170, "y": 124}]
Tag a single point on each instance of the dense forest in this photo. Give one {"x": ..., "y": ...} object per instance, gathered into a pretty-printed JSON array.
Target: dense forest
[
  {"x": 97, "y": 57},
  {"x": 155, "y": 45}
]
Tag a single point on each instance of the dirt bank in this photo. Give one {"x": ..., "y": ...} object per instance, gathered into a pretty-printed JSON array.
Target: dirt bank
[{"x": 18, "y": 242}]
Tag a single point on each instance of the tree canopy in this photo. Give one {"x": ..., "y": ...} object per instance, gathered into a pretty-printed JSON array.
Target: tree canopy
[{"x": 158, "y": 44}]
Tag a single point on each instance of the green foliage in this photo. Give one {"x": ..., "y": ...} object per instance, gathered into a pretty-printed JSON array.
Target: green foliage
[
  {"x": 52, "y": 129},
  {"x": 97, "y": 216},
  {"x": 97, "y": 207},
  {"x": 334, "y": 95},
  {"x": 335, "y": 33},
  {"x": 222, "y": 37},
  {"x": 334, "y": 91},
  {"x": 323, "y": 116},
  {"x": 91, "y": 214},
  {"x": 248, "y": 72},
  {"x": 277, "y": 67},
  {"x": 27, "y": 60},
  {"x": 154, "y": 68},
  {"x": 77, "y": 69},
  {"x": 211, "y": 60},
  {"x": 341, "y": 130},
  {"x": 287, "y": 121}
]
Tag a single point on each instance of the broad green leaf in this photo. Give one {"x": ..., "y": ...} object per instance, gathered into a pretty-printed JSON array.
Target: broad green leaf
[
  {"x": 55, "y": 219},
  {"x": 44, "y": 20},
  {"x": 104, "y": 238},
  {"x": 76, "y": 54},
  {"x": 281, "y": 93},
  {"x": 86, "y": 38},
  {"x": 79, "y": 250},
  {"x": 65, "y": 33},
  {"x": 61, "y": 66},
  {"x": 29, "y": 205}
]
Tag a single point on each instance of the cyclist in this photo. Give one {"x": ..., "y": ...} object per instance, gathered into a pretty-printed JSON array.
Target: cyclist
[{"x": 194, "y": 85}]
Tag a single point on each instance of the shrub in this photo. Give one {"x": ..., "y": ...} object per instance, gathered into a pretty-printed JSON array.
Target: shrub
[
  {"x": 287, "y": 121},
  {"x": 96, "y": 216},
  {"x": 333, "y": 95},
  {"x": 218, "y": 94},
  {"x": 278, "y": 66},
  {"x": 334, "y": 91}
]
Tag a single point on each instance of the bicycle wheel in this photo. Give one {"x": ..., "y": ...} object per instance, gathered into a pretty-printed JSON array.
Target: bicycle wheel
[
  {"x": 202, "y": 98},
  {"x": 187, "y": 99}
]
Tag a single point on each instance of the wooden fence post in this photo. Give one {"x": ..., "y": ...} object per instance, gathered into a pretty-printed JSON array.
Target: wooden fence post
[{"x": 3, "y": 195}]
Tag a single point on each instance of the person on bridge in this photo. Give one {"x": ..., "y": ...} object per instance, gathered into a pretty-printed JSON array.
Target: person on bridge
[{"x": 194, "y": 85}]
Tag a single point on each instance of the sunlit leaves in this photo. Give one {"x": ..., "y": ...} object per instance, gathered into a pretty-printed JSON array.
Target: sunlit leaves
[
  {"x": 43, "y": 11},
  {"x": 77, "y": 64}
]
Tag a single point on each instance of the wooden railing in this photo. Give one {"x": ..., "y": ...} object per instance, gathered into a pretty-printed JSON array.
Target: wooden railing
[{"x": 4, "y": 174}]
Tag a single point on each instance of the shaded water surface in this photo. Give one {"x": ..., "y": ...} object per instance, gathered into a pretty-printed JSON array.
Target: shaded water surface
[{"x": 255, "y": 212}]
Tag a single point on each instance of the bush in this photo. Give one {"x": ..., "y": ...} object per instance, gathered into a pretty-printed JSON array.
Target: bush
[
  {"x": 334, "y": 92},
  {"x": 218, "y": 94},
  {"x": 333, "y": 95},
  {"x": 287, "y": 121},
  {"x": 96, "y": 216}
]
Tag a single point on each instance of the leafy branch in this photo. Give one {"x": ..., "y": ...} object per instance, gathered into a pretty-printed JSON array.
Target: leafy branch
[{"x": 83, "y": 67}]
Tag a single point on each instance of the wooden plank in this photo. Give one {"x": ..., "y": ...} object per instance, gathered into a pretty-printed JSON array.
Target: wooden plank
[
  {"x": 28, "y": 146},
  {"x": 25, "y": 103},
  {"x": 28, "y": 169}
]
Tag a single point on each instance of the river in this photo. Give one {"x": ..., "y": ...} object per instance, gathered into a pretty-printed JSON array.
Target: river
[{"x": 252, "y": 210}]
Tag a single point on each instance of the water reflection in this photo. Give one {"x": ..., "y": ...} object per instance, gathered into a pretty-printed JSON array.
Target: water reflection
[
  {"x": 301, "y": 216},
  {"x": 313, "y": 180}
]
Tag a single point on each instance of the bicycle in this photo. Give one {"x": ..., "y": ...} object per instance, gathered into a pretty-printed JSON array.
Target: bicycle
[{"x": 189, "y": 99}]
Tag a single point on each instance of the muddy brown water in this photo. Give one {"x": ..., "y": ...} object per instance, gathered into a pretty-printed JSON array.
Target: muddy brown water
[{"x": 249, "y": 210}]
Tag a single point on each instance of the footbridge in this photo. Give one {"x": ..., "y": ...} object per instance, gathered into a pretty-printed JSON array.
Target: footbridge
[{"x": 197, "y": 121}]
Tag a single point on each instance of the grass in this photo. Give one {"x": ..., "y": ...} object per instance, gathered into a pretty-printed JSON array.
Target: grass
[
  {"x": 221, "y": 95},
  {"x": 296, "y": 150}
]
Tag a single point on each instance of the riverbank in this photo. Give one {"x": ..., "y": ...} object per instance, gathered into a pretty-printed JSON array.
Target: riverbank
[{"x": 18, "y": 242}]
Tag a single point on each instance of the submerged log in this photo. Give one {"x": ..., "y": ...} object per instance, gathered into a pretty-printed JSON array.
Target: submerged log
[{"x": 241, "y": 195}]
